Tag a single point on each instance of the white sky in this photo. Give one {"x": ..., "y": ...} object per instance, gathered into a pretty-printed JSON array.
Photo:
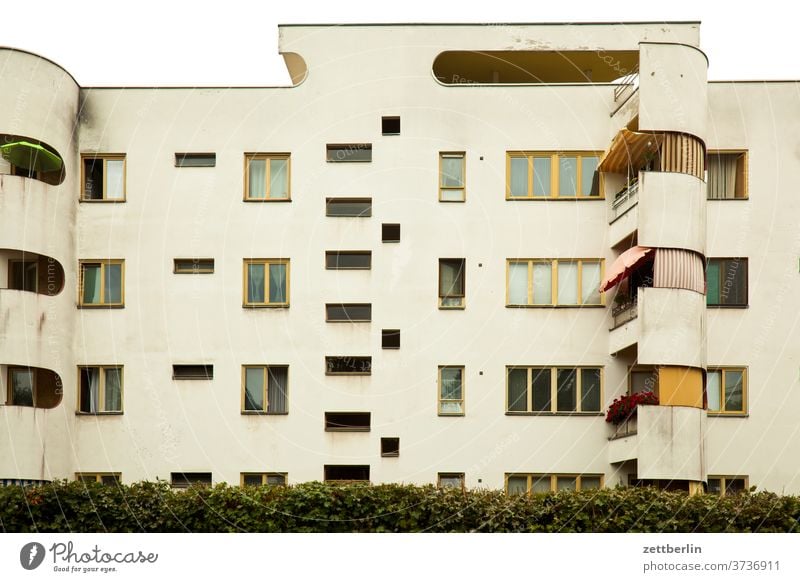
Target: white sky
[{"x": 234, "y": 42}]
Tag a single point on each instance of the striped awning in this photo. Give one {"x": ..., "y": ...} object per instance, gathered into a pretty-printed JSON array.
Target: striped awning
[
  {"x": 629, "y": 149},
  {"x": 679, "y": 269}
]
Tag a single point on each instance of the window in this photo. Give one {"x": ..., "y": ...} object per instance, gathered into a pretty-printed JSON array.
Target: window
[
  {"x": 193, "y": 266},
  {"x": 552, "y": 390},
  {"x": 727, "y": 175},
  {"x": 266, "y": 177},
  {"x": 103, "y": 478},
  {"x": 195, "y": 160},
  {"x": 266, "y": 282},
  {"x": 390, "y": 447},
  {"x": 527, "y": 483},
  {"x": 643, "y": 380},
  {"x": 390, "y": 125},
  {"x": 727, "y": 485},
  {"x": 259, "y": 479},
  {"x": 348, "y": 260},
  {"x": 21, "y": 387},
  {"x": 390, "y": 339},
  {"x": 103, "y": 178},
  {"x": 102, "y": 283},
  {"x": 348, "y": 312},
  {"x": 265, "y": 389},
  {"x": 100, "y": 389},
  {"x": 452, "y": 168},
  {"x": 451, "y": 283},
  {"x": 450, "y": 481},
  {"x": 390, "y": 233},
  {"x": 346, "y": 473},
  {"x": 726, "y": 282},
  {"x": 451, "y": 390},
  {"x": 553, "y": 282},
  {"x": 352, "y": 207},
  {"x": 352, "y": 152},
  {"x": 186, "y": 480},
  {"x": 348, "y": 365},
  {"x": 23, "y": 275},
  {"x": 347, "y": 421},
  {"x": 542, "y": 175},
  {"x": 727, "y": 390},
  {"x": 192, "y": 372}
]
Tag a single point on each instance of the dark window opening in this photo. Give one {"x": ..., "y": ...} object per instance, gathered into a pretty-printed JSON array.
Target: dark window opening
[
  {"x": 347, "y": 421},
  {"x": 195, "y": 160},
  {"x": 358, "y": 207},
  {"x": 726, "y": 282},
  {"x": 194, "y": 266},
  {"x": 390, "y": 339},
  {"x": 346, "y": 472},
  {"x": 343, "y": 260},
  {"x": 192, "y": 372},
  {"x": 352, "y": 312},
  {"x": 348, "y": 365},
  {"x": 390, "y": 232},
  {"x": 390, "y": 447},
  {"x": 390, "y": 125},
  {"x": 349, "y": 152},
  {"x": 185, "y": 480}
]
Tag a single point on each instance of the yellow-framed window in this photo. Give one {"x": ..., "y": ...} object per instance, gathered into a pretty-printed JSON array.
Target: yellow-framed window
[
  {"x": 100, "y": 389},
  {"x": 452, "y": 176},
  {"x": 727, "y": 176},
  {"x": 554, "y": 282},
  {"x": 527, "y": 483},
  {"x": 727, "y": 390},
  {"x": 545, "y": 175},
  {"x": 102, "y": 283},
  {"x": 266, "y": 283},
  {"x": 727, "y": 484},
  {"x": 452, "y": 283},
  {"x": 103, "y": 177},
  {"x": 258, "y": 479},
  {"x": 267, "y": 177},
  {"x": 103, "y": 478},
  {"x": 265, "y": 389},
  {"x": 552, "y": 390},
  {"x": 450, "y": 481},
  {"x": 451, "y": 391}
]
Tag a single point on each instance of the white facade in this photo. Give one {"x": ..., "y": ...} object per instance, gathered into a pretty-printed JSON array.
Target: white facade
[{"x": 347, "y": 78}]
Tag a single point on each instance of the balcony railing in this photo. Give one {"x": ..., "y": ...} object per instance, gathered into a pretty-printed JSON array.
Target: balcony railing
[
  {"x": 624, "y": 312},
  {"x": 624, "y": 200},
  {"x": 627, "y": 85},
  {"x": 624, "y": 429}
]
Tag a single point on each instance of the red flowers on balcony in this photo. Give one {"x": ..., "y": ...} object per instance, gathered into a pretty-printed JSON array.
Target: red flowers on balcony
[{"x": 624, "y": 407}]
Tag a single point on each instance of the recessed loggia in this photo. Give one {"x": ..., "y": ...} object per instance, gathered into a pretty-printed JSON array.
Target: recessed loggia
[
  {"x": 29, "y": 386},
  {"x": 32, "y": 272}
]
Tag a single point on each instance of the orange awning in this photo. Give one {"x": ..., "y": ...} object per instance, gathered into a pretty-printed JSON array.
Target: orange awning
[
  {"x": 629, "y": 149},
  {"x": 624, "y": 264}
]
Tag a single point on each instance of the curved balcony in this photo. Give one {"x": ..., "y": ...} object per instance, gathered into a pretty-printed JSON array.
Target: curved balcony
[
  {"x": 39, "y": 99},
  {"x": 30, "y": 158},
  {"x": 31, "y": 272},
  {"x": 32, "y": 443}
]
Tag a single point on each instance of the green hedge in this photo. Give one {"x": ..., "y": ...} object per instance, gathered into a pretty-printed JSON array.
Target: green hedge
[{"x": 316, "y": 507}]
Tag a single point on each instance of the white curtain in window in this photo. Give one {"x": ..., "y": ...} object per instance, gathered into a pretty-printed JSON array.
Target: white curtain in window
[
  {"x": 722, "y": 176},
  {"x": 113, "y": 390},
  {"x": 115, "y": 179},
  {"x": 254, "y": 389},
  {"x": 91, "y": 284},
  {"x": 713, "y": 380},
  {"x": 277, "y": 388},
  {"x": 542, "y": 283},
  {"x": 277, "y": 283},
  {"x": 567, "y": 283},
  {"x": 255, "y": 283},
  {"x": 279, "y": 178},
  {"x": 257, "y": 179},
  {"x": 590, "y": 283},
  {"x": 519, "y": 177},
  {"x": 518, "y": 284}
]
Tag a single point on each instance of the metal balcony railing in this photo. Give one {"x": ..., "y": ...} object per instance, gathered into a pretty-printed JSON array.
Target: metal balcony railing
[
  {"x": 624, "y": 200},
  {"x": 624, "y": 312},
  {"x": 627, "y": 85}
]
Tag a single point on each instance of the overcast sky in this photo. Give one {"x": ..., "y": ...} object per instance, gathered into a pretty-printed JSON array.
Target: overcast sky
[{"x": 234, "y": 42}]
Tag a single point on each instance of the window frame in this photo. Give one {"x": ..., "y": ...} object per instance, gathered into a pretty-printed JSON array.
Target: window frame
[
  {"x": 463, "y": 156},
  {"x": 348, "y": 253},
  {"x": 195, "y": 261},
  {"x": 344, "y": 307},
  {"x": 354, "y": 146},
  {"x": 745, "y": 391},
  {"x": 349, "y": 427},
  {"x": 101, "y": 391},
  {"x": 10, "y": 386},
  {"x": 554, "y": 283},
  {"x": 652, "y": 370},
  {"x": 440, "y": 400},
  {"x": 532, "y": 477},
  {"x": 357, "y": 373},
  {"x": 184, "y": 377},
  {"x": 266, "y": 263},
  {"x": 106, "y": 158},
  {"x": 265, "y": 478},
  {"x": 451, "y": 475},
  {"x": 391, "y": 225},
  {"x": 463, "y": 295},
  {"x": 85, "y": 477},
  {"x": 746, "y": 302},
  {"x": 387, "y": 447},
  {"x": 723, "y": 483},
  {"x": 744, "y": 154},
  {"x": 265, "y": 389},
  {"x": 555, "y": 167},
  {"x": 103, "y": 266},
  {"x": 348, "y": 199},
  {"x": 554, "y": 391},
  {"x": 182, "y": 157},
  {"x": 190, "y": 484},
  {"x": 268, "y": 156}
]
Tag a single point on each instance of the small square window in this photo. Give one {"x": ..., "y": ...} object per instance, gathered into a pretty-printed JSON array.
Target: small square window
[
  {"x": 390, "y": 125},
  {"x": 390, "y": 447},
  {"x": 100, "y": 389},
  {"x": 266, "y": 283},
  {"x": 102, "y": 283},
  {"x": 267, "y": 178},
  {"x": 103, "y": 178},
  {"x": 390, "y": 232},
  {"x": 726, "y": 282},
  {"x": 265, "y": 389},
  {"x": 390, "y": 339}
]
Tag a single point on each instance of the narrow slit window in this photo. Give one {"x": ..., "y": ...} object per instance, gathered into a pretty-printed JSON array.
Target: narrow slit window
[
  {"x": 193, "y": 266},
  {"x": 186, "y": 480},
  {"x": 186, "y": 160},
  {"x": 346, "y": 473},
  {"x": 192, "y": 372},
  {"x": 348, "y": 207},
  {"x": 348, "y": 365},
  {"x": 348, "y": 260},
  {"x": 347, "y": 421},
  {"x": 260, "y": 479},
  {"x": 348, "y": 312},
  {"x": 352, "y": 152}
]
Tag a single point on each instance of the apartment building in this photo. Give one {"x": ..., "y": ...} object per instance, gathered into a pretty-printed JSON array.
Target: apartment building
[{"x": 437, "y": 257}]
